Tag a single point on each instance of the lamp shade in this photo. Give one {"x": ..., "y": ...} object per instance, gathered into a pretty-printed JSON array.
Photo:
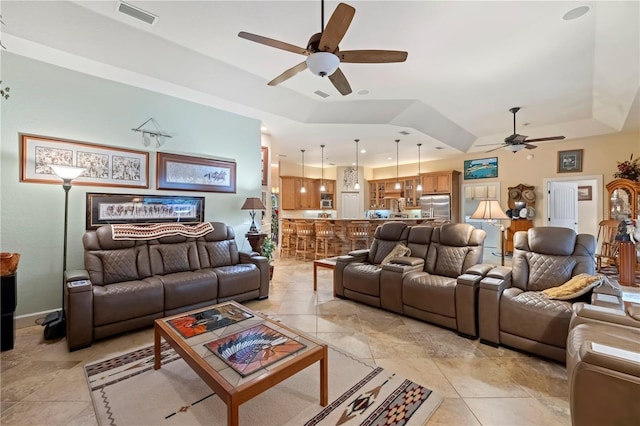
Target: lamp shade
[
  {"x": 67, "y": 173},
  {"x": 323, "y": 63},
  {"x": 489, "y": 210},
  {"x": 253, "y": 203},
  {"x": 514, "y": 148}
]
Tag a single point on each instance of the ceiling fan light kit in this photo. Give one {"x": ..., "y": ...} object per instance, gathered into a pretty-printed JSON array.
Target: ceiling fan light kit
[
  {"x": 323, "y": 53},
  {"x": 323, "y": 63}
]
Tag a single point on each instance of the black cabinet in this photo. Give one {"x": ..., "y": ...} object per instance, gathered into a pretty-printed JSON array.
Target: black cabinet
[{"x": 8, "y": 303}]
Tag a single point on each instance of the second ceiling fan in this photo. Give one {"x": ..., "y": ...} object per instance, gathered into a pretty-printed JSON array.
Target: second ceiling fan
[
  {"x": 323, "y": 53},
  {"x": 516, "y": 142}
]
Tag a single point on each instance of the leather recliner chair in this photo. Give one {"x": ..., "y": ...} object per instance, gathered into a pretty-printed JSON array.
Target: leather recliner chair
[
  {"x": 512, "y": 309},
  {"x": 357, "y": 275},
  {"x": 603, "y": 365}
]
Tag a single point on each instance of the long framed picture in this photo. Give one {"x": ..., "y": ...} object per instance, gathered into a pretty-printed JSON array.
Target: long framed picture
[
  {"x": 106, "y": 166},
  {"x": 481, "y": 168},
  {"x": 186, "y": 173},
  {"x": 570, "y": 161},
  {"x": 264, "y": 164},
  {"x": 103, "y": 209}
]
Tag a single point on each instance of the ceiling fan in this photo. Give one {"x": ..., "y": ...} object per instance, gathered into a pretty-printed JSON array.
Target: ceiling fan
[
  {"x": 322, "y": 51},
  {"x": 516, "y": 142}
]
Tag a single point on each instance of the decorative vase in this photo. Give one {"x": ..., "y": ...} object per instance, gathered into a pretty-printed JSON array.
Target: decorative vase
[{"x": 8, "y": 263}]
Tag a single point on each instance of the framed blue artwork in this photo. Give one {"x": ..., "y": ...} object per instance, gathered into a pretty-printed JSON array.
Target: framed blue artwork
[{"x": 481, "y": 169}]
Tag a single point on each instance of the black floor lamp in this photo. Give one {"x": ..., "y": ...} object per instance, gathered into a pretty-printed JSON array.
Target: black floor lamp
[
  {"x": 490, "y": 211},
  {"x": 55, "y": 321}
]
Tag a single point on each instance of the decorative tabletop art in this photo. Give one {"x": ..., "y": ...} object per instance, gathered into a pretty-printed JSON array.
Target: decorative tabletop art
[
  {"x": 209, "y": 320},
  {"x": 250, "y": 350}
]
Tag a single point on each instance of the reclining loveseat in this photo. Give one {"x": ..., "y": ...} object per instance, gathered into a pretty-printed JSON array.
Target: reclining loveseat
[{"x": 127, "y": 284}]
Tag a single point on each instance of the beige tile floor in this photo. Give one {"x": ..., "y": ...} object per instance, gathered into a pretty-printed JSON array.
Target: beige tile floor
[{"x": 42, "y": 383}]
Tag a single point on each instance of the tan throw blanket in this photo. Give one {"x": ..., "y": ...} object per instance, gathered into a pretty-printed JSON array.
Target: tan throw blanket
[{"x": 157, "y": 230}]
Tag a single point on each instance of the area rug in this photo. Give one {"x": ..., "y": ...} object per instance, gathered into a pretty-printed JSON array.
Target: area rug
[{"x": 126, "y": 390}]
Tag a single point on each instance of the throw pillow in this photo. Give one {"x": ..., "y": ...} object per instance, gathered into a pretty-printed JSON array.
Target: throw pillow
[
  {"x": 398, "y": 251},
  {"x": 575, "y": 287}
]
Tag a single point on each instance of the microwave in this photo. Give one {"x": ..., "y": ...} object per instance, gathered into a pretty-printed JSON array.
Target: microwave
[{"x": 326, "y": 204}]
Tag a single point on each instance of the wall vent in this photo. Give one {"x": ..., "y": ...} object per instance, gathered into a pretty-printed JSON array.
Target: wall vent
[
  {"x": 137, "y": 13},
  {"x": 321, "y": 94}
]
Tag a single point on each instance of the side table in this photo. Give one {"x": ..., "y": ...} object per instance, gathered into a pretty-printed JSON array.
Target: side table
[
  {"x": 255, "y": 240},
  {"x": 627, "y": 263},
  {"x": 323, "y": 263},
  {"x": 9, "y": 302}
]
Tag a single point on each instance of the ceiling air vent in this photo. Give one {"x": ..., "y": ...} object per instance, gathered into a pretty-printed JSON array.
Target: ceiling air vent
[
  {"x": 404, "y": 132},
  {"x": 321, "y": 94},
  {"x": 136, "y": 12}
]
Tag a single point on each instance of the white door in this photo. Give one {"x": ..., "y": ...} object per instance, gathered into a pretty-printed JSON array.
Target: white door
[
  {"x": 563, "y": 205},
  {"x": 349, "y": 205}
]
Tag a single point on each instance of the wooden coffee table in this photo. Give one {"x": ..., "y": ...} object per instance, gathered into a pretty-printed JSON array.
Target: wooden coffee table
[{"x": 190, "y": 332}]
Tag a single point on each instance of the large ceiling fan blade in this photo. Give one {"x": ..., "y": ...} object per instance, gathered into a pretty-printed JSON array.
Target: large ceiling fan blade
[
  {"x": 372, "y": 56},
  {"x": 336, "y": 28},
  {"x": 274, "y": 43},
  {"x": 495, "y": 149},
  {"x": 529, "y": 146},
  {"x": 340, "y": 82},
  {"x": 492, "y": 144},
  {"x": 550, "y": 138},
  {"x": 288, "y": 74}
]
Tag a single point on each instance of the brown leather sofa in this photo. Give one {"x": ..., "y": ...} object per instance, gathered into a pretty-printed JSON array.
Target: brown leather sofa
[
  {"x": 603, "y": 364},
  {"x": 438, "y": 283},
  {"x": 512, "y": 309},
  {"x": 130, "y": 283}
]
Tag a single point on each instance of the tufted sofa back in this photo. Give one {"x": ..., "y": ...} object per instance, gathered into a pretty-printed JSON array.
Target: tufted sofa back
[
  {"x": 419, "y": 240},
  {"x": 454, "y": 248},
  {"x": 218, "y": 248},
  {"x": 109, "y": 261},
  {"x": 385, "y": 239},
  {"x": 173, "y": 254},
  {"x": 548, "y": 256}
]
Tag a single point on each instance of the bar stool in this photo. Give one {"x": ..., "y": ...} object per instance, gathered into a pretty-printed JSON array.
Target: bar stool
[
  {"x": 288, "y": 243},
  {"x": 325, "y": 239},
  {"x": 358, "y": 231},
  {"x": 305, "y": 237}
]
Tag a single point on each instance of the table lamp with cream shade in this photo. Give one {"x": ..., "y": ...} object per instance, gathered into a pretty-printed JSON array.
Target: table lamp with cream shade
[
  {"x": 253, "y": 204},
  {"x": 491, "y": 211}
]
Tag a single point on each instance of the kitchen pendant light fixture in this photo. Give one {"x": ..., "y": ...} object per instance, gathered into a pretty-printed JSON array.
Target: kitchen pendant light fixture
[
  {"x": 419, "y": 187},
  {"x": 357, "y": 184},
  {"x": 397, "y": 174},
  {"x": 302, "y": 188},
  {"x": 322, "y": 187}
]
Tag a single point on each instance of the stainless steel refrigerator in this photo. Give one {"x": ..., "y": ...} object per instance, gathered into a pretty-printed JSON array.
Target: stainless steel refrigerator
[{"x": 436, "y": 206}]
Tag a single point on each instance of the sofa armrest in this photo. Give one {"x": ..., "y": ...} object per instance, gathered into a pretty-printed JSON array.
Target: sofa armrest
[
  {"x": 609, "y": 287},
  {"x": 585, "y": 313},
  {"x": 611, "y": 358},
  {"x": 466, "y": 297},
  {"x": 263, "y": 266},
  {"x": 78, "y": 296},
  {"x": 406, "y": 261},
  {"x": 606, "y": 300},
  {"x": 491, "y": 288},
  {"x": 341, "y": 263}
]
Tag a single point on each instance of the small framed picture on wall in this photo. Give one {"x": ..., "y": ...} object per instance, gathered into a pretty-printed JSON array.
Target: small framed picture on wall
[
  {"x": 265, "y": 165},
  {"x": 570, "y": 161}
]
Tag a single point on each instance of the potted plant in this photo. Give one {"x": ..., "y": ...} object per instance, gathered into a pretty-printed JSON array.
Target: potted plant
[{"x": 267, "y": 249}]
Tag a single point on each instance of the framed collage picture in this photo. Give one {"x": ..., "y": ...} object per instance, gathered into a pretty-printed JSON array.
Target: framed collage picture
[
  {"x": 105, "y": 166},
  {"x": 187, "y": 173}
]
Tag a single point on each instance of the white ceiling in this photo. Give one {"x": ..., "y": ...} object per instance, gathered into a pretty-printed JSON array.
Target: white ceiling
[{"x": 468, "y": 63}]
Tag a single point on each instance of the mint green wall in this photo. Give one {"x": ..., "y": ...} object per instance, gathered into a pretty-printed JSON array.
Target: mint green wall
[{"x": 52, "y": 101}]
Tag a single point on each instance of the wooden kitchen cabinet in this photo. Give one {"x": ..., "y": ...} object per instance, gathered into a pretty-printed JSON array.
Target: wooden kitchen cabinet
[
  {"x": 293, "y": 199},
  {"x": 440, "y": 182}
]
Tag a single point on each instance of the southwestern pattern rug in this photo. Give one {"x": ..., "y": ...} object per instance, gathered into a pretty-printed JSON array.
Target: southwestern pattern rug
[{"x": 126, "y": 390}]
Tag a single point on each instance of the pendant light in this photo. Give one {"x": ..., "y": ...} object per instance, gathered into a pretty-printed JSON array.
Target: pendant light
[
  {"x": 419, "y": 187},
  {"x": 357, "y": 185},
  {"x": 397, "y": 174},
  {"x": 322, "y": 187},
  {"x": 302, "y": 188}
]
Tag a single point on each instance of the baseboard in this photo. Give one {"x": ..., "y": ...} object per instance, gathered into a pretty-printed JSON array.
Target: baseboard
[{"x": 29, "y": 320}]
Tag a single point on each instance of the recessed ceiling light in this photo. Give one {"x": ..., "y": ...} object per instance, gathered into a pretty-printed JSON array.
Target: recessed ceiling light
[
  {"x": 576, "y": 13},
  {"x": 363, "y": 151},
  {"x": 389, "y": 158},
  {"x": 363, "y": 92}
]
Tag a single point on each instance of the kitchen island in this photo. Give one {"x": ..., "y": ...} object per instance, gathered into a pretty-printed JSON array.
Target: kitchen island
[{"x": 342, "y": 242}]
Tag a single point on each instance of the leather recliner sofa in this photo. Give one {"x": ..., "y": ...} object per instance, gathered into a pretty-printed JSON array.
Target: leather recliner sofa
[
  {"x": 130, "y": 283},
  {"x": 603, "y": 364},
  {"x": 437, "y": 283},
  {"x": 513, "y": 310}
]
